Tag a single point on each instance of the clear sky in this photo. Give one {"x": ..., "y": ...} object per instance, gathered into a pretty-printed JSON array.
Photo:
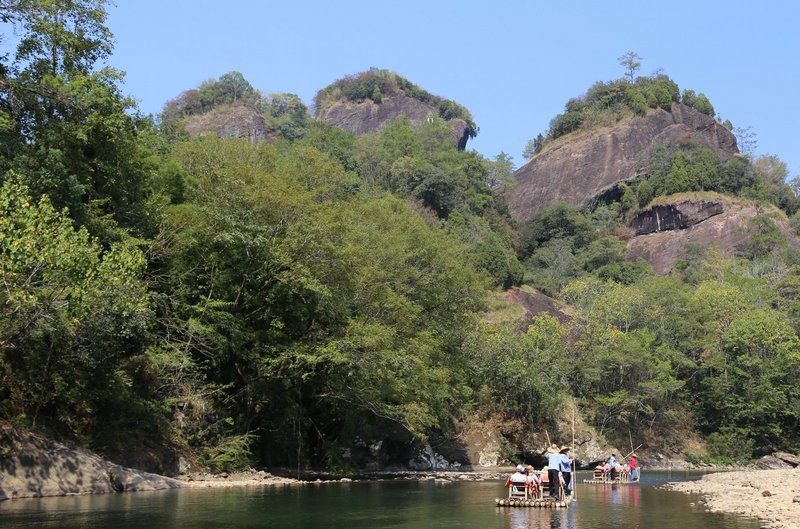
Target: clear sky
[{"x": 513, "y": 64}]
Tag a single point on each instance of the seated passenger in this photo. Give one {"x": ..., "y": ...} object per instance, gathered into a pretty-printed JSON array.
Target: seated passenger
[{"x": 517, "y": 477}]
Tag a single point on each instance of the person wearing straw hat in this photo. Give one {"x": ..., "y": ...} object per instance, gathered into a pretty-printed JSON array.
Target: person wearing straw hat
[
  {"x": 566, "y": 468},
  {"x": 554, "y": 457},
  {"x": 634, "y": 466}
]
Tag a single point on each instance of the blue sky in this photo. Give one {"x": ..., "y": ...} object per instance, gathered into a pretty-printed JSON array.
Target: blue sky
[{"x": 512, "y": 64}]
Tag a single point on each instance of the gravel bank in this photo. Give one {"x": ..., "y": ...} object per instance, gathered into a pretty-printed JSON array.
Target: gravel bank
[{"x": 772, "y": 496}]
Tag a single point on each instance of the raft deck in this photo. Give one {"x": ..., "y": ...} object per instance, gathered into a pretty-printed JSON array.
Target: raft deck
[
  {"x": 610, "y": 482},
  {"x": 545, "y": 503}
]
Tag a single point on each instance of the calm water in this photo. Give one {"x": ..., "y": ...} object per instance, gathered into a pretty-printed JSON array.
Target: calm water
[{"x": 387, "y": 504}]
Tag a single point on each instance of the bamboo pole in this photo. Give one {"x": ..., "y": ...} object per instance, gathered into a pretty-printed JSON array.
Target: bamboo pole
[
  {"x": 632, "y": 451},
  {"x": 573, "y": 465}
]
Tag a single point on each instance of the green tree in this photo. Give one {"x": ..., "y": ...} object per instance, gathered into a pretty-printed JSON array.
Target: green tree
[
  {"x": 534, "y": 146},
  {"x": 74, "y": 138},
  {"x": 752, "y": 380},
  {"x": 631, "y": 61}
]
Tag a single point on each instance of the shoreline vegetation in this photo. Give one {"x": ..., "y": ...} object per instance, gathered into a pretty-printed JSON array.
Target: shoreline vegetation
[{"x": 772, "y": 496}]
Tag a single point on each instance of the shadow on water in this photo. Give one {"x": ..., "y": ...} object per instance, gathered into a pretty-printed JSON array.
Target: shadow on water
[{"x": 371, "y": 505}]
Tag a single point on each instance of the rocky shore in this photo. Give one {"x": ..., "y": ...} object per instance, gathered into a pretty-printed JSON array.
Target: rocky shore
[{"x": 772, "y": 496}]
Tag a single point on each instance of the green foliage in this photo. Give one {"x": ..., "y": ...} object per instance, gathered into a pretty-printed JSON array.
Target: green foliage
[
  {"x": 765, "y": 237},
  {"x": 522, "y": 373},
  {"x": 72, "y": 317},
  {"x": 291, "y": 296},
  {"x": 607, "y": 102},
  {"x": 632, "y": 62},
  {"x": 285, "y": 115},
  {"x": 751, "y": 379},
  {"x": 533, "y": 147},
  {"x": 557, "y": 221},
  {"x": 685, "y": 166},
  {"x": 310, "y": 305},
  {"x": 231, "y": 453}
]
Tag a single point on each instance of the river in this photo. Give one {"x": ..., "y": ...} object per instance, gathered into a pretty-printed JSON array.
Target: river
[{"x": 371, "y": 505}]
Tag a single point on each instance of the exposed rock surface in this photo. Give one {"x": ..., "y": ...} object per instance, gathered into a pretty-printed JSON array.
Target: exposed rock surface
[
  {"x": 725, "y": 231},
  {"x": 31, "y": 466},
  {"x": 535, "y": 302},
  {"x": 366, "y": 116},
  {"x": 772, "y": 463},
  {"x": 229, "y": 121},
  {"x": 582, "y": 164},
  {"x": 791, "y": 459}
]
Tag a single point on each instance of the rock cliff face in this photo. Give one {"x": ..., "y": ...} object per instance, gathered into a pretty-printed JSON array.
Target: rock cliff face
[
  {"x": 584, "y": 164},
  {"x": 367, "y": 116},
  {"x": 665, "y": 232},
  {"x": 234, "y": 121}
]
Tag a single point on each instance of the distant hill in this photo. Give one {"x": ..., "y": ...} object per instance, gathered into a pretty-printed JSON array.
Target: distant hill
[
  {"x": 367, "y": 101},
  {"x": 229, "y": 107}
]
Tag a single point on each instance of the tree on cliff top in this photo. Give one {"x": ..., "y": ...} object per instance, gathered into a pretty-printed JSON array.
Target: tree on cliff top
[{"x": 632, "y": 62}]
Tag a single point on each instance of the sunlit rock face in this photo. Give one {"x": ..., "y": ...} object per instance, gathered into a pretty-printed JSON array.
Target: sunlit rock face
[
  {"x": 583, "y": 164},
  {"x": 363, "y": 117},
  {"x": 669, "y": 232}
]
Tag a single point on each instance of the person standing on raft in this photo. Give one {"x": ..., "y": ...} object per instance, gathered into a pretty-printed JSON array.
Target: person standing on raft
[
  {"x": 566, "y": 469},
  {"x": 554, "y": 457},
  {"x": 633, "y": 464},
  {"x": 612, "y": 463}
]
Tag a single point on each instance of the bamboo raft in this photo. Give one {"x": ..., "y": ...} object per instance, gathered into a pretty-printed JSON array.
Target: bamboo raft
[
  {"x": 602, "y": 478},
  {"x": 546, "y": 503}
]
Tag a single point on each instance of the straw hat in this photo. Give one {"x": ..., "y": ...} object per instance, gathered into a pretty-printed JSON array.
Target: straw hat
[
  {"x": 553, "y": 449},
  {"x": 564, "y": 448}
]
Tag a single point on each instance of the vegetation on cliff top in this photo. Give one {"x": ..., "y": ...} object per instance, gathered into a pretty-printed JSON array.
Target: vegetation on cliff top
[
  {"x": 285, "y": 116},
  {"x": 606, "y": 103},
  {"x": 375, "y": 84}
]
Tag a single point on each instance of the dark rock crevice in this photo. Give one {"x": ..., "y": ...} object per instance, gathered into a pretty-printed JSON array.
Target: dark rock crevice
[{"x": 676, "y": 216}]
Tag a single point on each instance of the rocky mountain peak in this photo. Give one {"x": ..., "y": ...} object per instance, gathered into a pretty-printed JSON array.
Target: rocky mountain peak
[{"x": 580, "y": 165}]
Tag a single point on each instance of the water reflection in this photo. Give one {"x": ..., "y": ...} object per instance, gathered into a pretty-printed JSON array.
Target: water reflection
[{"x": 534, "y": 518}]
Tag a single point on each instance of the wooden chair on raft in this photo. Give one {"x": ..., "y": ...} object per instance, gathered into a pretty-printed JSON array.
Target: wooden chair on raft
[{"x": 519, "y": 490}]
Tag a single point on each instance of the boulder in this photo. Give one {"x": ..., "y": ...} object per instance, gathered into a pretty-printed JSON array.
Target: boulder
[
  {"x": 534, "y": 302},
  {"x": 580, "y": 165},
  {"x": 791, "y": 459},
  {"x": 32, "y": 466},
  {"x": 772, "y": 463}
]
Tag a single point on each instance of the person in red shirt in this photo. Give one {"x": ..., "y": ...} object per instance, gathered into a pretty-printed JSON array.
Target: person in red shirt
[{"x": 633, "y": 464}]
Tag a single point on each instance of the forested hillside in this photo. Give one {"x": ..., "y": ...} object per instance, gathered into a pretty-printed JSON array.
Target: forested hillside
[{"x": 276, "y": 300}]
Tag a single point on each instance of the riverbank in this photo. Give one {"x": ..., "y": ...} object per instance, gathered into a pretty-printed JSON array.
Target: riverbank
[
  {"x": 772, "y": 496},
  {"x": 259, "y": 477}
]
